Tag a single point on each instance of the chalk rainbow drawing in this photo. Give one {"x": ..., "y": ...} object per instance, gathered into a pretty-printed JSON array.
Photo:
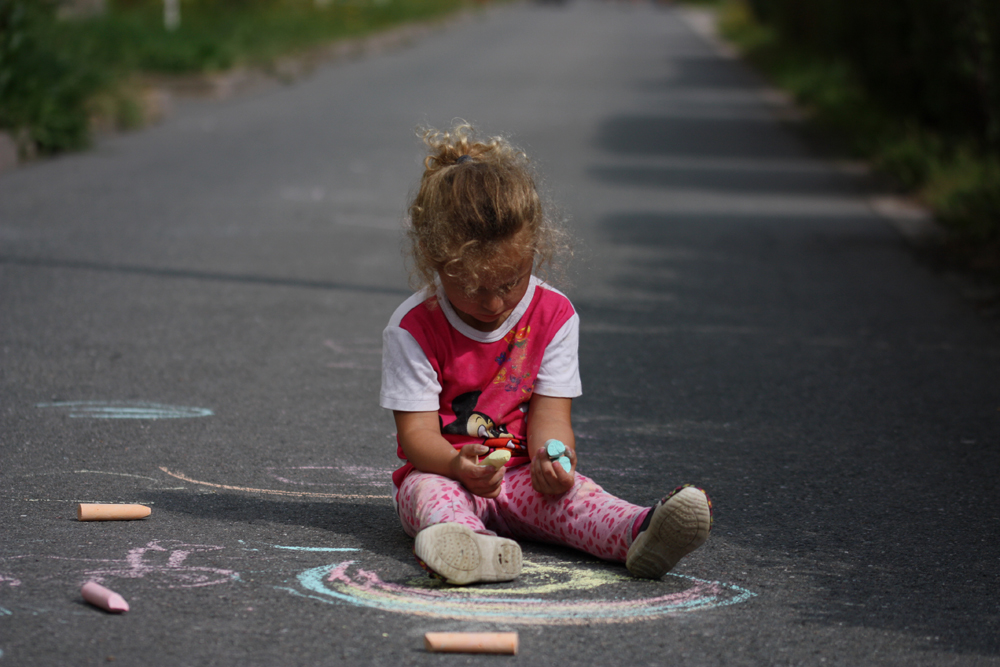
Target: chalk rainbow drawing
[
  {"x": 124, "y": 410},
  {"x": 540, "y": 596}
]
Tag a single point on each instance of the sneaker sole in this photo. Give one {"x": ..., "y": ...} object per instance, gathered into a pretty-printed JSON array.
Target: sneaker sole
[
  {"x": 677, "y": 528},
  {"x": 460, "y": 555}
]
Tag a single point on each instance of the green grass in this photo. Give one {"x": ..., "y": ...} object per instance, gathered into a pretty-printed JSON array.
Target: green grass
[
  {"x": 57, "y": 75},
  {"x": 217, "y": 35},
  {"x": 955, "y": 176}
]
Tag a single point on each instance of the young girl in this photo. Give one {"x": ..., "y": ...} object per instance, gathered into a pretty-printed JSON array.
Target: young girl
[{"x": 484, "y": 358}]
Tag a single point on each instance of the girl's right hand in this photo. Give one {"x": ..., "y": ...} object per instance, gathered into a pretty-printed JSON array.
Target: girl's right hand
[{"x": 481, "y": 480}]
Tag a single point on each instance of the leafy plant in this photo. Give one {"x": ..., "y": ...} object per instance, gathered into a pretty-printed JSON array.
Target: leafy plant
[
  {"x": 947, "y": 155},
  {"x": 43, "y": 89}
]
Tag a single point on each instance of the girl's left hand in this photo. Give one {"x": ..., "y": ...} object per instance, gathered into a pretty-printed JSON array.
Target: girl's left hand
[{"x": 549, "y": 477}]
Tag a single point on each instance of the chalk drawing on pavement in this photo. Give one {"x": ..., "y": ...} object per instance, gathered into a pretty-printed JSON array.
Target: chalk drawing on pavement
[
  {"x": 550, "y": 590},
  {"x": 274, "y": 492},
  {"x": 350, "y": 354},
  {"x": 166, "y": 562},
  {"x": 279, "y": 546},
  {"x": 74, "y": 488},
  {"x": 560, "y": 593},
  {"x": 163, "y": 563},
  {"x": 91, "y": 472},
  {"x": 13, "y": 582},
  {"x": 330, "y": 476},
  {"x": 124, "y": 410}
]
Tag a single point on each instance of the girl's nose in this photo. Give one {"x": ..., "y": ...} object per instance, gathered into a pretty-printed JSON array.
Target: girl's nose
[{"x": 492, "y": 304}]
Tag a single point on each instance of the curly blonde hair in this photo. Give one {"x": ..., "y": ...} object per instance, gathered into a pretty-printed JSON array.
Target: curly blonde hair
[{"x": 477, "y": 212}]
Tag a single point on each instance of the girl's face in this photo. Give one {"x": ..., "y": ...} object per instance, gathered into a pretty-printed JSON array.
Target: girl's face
[{"x": 487, "y": 305}]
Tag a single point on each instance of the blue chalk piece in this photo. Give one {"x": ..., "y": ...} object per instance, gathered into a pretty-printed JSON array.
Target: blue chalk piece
[
  {"x": 554, "y": 448},
  {"x": 564, "y": 462}
]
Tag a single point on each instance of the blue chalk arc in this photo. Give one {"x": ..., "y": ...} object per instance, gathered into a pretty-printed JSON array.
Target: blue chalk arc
[{"x": 124, "y": 410}]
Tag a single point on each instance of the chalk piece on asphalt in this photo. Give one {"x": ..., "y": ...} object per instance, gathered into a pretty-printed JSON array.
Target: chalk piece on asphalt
[
  {"x": 102, "y": 597},
  {"x": 471, "y": 642},
  {"x": 497, "y": 458},
  {"x": 92, "y": 512}
]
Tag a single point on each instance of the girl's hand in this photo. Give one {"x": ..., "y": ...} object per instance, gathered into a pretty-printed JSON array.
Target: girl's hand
[
  {"x": 481, "y": 480},
  {"x": 549, "y": 477}
]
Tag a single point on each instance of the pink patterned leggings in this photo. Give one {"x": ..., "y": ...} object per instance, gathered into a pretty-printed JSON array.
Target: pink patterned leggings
[{"x": 585, "y": 517}]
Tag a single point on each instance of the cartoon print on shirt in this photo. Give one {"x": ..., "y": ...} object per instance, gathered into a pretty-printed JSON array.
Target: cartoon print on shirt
[
  {"x": 471, "y": 422},
  {"x": 511, "y": 374}
]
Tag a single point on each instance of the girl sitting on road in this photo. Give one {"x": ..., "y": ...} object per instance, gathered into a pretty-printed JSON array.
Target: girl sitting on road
[{"x": 484, "y": 358}]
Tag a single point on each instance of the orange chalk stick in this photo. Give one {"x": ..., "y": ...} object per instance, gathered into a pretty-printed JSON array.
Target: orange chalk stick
[
  {"x": 471, "y": 642},
  {"x": 92, "y": 512}
]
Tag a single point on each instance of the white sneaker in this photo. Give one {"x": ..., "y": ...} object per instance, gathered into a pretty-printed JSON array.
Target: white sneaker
[
  {"x": 460, "y": 555},
  {"x": 676, "y": 526}
]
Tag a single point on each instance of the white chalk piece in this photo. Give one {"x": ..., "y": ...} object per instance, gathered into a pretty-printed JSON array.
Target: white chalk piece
[
  {"x": 471, "y": 642},
  {"x": 497, "y": 458},
  {"x": 114, "y": 512},
  {"x": 102, "y": 597}
]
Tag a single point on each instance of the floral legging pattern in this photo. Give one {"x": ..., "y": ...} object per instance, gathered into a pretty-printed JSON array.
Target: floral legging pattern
[{"x": 586, "y": 517}]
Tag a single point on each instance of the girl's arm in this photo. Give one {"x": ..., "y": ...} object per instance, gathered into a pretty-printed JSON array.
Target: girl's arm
[
  {"x": 420, "y": 437},
  {"x": 549, "y": 418}
]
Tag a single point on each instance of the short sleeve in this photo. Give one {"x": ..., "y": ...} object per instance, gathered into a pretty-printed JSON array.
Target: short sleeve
[
  {"x": 409, "y": 382},
  {"x": 559, "y": 374}
]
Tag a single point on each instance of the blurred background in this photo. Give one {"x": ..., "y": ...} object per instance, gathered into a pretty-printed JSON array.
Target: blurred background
[{"x": 911, "y": 86}]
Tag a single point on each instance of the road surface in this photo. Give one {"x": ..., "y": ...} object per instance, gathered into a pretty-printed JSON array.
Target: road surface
[{"x": 192, "y": 315}]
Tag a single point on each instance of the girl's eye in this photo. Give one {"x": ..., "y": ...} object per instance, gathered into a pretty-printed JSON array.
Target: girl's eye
[
  {"x": 511, "y": 285},
  {"x": 503, "y": 289}
]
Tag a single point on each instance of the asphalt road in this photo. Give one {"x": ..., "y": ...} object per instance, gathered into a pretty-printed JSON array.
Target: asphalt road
[{"x": 218, "y": 284}]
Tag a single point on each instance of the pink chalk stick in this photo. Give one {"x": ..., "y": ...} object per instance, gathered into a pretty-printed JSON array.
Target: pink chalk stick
[{"x": 104, "y": 598}]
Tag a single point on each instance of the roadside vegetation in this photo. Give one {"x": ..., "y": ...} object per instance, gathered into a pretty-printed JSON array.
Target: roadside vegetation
[
  {"x": 911, "y": 86},
  {"x": 62, "y": 74}
]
